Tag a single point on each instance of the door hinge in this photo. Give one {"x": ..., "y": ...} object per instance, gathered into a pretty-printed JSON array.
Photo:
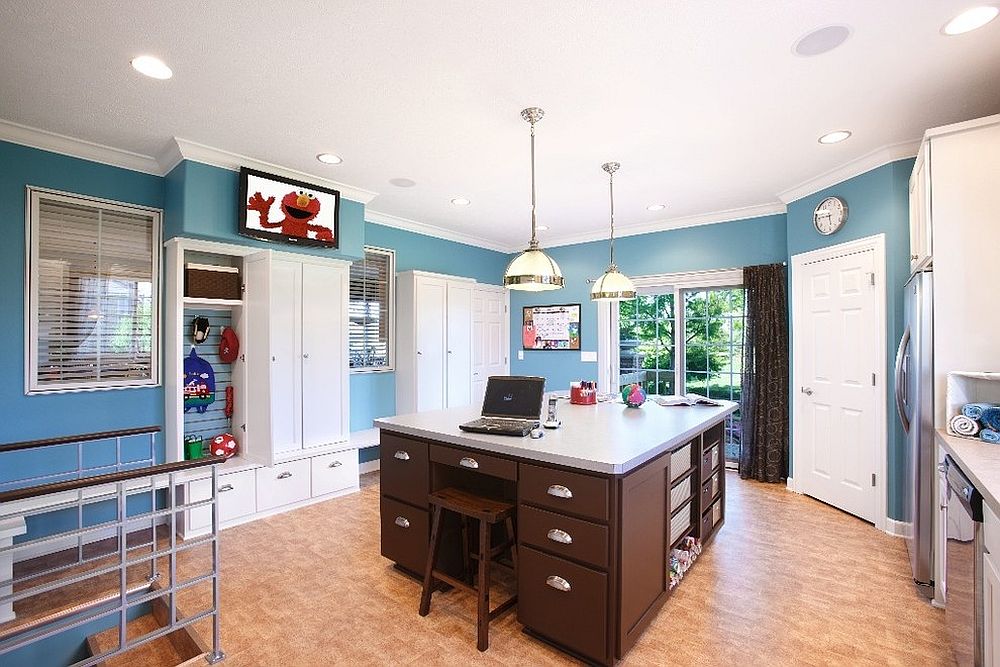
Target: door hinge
[
  {"x": 871, "y": 279},
  {"x": 873, "y": 379},
  {"x": 873, "y": 479}
]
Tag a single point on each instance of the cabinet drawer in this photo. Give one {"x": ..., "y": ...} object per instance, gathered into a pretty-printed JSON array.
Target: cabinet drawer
[
  {"x": 565, "y": 602},
  {"x": 680, "y": 492},
  {"x": 717, "y": 512},
  {"x": 680, "y": 461},
  {"x": 403, "y": 469},
  {"x": 237, "y": 495},
  {"x": 680, "y": 522},
  {"x": 405, "y": 534},
  {"x": 568, "y": 492},
  {"x": 706, "y": 524},
  {"x": 334, "y": 472},
  {"x": 709, "y": 460},
  {"x": 991, "y": 532},
  {"x": 283, "y": 484},
  {"x": 484, "y": 463},
  {"x": 573, "y": 538}
]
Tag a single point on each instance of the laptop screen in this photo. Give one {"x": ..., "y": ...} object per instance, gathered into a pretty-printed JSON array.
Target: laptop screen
[{"x": 514, "y": 396}]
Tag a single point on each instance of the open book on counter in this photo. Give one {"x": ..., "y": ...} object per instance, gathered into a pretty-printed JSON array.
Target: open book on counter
[{"x": 686, "y": 399}]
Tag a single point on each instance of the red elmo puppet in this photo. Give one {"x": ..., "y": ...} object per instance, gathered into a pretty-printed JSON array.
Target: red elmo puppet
[{"x": 300, "y": 209}]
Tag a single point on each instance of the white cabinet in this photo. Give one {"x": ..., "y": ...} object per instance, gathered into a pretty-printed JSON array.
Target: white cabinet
[
  {"x": 921, "y": 239},
  {"x": 490, "y": 336},
  {"x": 991, "y": 589},
  {"x": 433, "y": 341},
  {"x": 295, "y": 354}
]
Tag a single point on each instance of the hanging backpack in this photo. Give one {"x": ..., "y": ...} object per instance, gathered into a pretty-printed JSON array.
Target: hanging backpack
[{"x": 199, "y": 383}]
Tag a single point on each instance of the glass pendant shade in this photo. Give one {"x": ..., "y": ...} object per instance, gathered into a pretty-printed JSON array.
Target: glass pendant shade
[{"x": 613, "y": 285}]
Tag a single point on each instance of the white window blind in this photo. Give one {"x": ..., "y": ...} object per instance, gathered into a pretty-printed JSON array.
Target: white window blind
[
  {"x": 93, "y": 295},
  {"x": 371, "y": 311}
]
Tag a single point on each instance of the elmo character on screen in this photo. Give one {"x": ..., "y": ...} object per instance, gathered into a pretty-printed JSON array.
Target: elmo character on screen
[{"x": 300, "y": 209}]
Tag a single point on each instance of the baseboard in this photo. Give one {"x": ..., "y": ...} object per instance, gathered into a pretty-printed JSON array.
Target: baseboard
[
  {"x": 897, "y": 528},
  {"x": 64, "y": 543},
  {"x": 791, "y": 486},
  {"x": 368, "y": 466}
]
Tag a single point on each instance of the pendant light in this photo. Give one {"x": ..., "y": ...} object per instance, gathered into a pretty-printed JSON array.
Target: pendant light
[
  {"x": 533, "y": 270},
  {"x": 613, "y": 285}
]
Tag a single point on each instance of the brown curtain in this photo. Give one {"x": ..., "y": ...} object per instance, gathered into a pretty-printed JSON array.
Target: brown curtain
[{"x": 764, "y": 397}]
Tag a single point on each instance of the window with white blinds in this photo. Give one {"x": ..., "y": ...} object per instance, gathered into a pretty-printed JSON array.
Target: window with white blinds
[
  {"x": 93, "y": 294},
  {"x": 371, "y": 311}
]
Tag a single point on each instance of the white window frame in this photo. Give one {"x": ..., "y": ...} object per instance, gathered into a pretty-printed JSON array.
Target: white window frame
[
  {"x": 33, "y": 197},
  {"x": 391, "y": 298}
]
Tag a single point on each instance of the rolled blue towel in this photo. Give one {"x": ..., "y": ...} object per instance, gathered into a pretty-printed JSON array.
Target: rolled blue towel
[
  {"x": 990, "y": 436},
  {"x": 975, "y": 410},
  {"x": 991, "y": 418}
]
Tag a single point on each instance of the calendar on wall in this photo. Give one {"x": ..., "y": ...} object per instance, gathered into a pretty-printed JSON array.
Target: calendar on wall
[{"x": 551, "y": 327}]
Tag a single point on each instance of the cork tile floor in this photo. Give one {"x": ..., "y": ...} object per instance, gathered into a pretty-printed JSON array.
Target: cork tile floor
[{"x": 788, "y": 581}]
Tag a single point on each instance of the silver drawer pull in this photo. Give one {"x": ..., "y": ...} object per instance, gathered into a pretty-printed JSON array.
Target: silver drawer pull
[
  {"x": 559, "y": 491},
  {"x": 560, "y": 536},
  {"x": 467, "y": 462},
  {"x": 336, "y": 464},
  {"x": 225, "y": 487},
  {"x": 285, "y": 475},
  {"x": 402, "y": 456},
  {"x": 558, "y": 583},
  {"x": 402, "y": 522}
]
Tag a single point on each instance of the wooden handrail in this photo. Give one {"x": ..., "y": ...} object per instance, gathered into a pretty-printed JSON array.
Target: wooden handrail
[
  {"x": 109, "y": 478},
  {"x": 71, "y": 439}
]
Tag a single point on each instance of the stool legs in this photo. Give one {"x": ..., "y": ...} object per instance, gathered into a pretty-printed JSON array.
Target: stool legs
[
  {"x": 425, "y": 595},
  {"x": 483, "y": 625},
  {"x": 513, "y": 544}
]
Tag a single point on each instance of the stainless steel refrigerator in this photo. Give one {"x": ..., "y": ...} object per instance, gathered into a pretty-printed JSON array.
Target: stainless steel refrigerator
[{"x": 914, "y": 388}]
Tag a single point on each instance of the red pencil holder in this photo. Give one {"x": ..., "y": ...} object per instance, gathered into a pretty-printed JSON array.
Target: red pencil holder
[{"x": 581, "y": 396}]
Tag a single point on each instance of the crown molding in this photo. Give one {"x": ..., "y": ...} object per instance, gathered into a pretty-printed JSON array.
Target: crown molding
[
  {"x": 406, "y": 224},
  {"x": 666, "y": 224},
  {"x": 33, "y": 137},
  {"x": 192, "y": 150},
  {"x": 876, "y": 158}
]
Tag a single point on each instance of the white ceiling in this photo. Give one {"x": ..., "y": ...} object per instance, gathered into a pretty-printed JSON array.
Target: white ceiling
[{"x": 704, "y": 104}]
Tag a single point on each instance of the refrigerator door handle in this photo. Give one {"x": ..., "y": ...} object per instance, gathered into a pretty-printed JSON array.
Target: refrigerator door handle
[{"x": 900, "y": 380}]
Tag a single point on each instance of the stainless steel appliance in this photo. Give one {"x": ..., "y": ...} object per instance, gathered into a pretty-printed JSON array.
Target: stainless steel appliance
[
  {"x": 915, "y": 406},
  {"x": 964, "y": 557}
]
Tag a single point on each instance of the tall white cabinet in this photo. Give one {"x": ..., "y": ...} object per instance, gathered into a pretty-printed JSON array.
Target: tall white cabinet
[{"x": 433, "y": 341}]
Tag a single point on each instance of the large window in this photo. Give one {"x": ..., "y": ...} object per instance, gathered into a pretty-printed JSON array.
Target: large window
[
  {"x": 93, "y": 295},
  {"x": 371, "y": 311}
]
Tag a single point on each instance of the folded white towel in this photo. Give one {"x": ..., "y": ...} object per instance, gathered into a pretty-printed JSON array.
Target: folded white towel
[{"x": 962, "y": 425}]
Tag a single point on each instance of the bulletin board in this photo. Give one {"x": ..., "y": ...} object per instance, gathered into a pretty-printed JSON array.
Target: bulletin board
[{"x": 551, "y": 327}]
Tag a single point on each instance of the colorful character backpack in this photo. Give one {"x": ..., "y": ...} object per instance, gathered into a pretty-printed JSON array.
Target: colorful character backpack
[{"x": 199, "y": 383}]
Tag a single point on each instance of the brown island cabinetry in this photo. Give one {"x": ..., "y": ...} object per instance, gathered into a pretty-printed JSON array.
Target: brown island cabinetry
[{"x": 596, "y": 521}]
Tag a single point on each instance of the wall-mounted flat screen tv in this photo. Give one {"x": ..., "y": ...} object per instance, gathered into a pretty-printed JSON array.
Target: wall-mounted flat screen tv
[{"x": 275, "y": 208}]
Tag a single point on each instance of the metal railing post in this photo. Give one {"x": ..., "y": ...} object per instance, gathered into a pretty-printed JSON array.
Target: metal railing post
[
  {"x": 216, "y": 655},
  {"x": 123, "y": 568}
]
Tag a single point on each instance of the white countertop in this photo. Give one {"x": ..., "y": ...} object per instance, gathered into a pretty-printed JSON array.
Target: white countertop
[
  {"x": 979, "y": 460},
  {"x": 607, "y": 437}
]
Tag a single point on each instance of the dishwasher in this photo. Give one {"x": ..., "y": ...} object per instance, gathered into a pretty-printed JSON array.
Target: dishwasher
[{"x": 964, "y": 568}]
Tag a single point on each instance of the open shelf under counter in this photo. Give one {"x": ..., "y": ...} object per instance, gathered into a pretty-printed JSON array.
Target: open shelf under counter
[{"x": 211, "y": 303}]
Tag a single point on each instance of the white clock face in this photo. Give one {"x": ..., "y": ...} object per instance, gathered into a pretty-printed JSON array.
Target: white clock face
[{"x": 830, "y": 215}]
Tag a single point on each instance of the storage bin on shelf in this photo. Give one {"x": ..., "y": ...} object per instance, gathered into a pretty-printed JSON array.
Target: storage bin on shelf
[
  {"x": 210, "y": 281},
  {"x": 964, "y": 387}
]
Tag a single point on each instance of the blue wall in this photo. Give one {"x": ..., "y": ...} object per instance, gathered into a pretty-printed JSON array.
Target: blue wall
[
  {"x": 879, "y": 204},
  {"x": 720, "y": 246}
]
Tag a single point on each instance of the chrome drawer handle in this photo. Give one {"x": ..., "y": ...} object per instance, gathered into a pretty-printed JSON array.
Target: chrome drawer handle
[
  {"x": 559, "y": 491},
  {"x": 558, "y": 583},
  {"x": 225, "y": 487},
  {"x": 336, "y": 464},
  {"x": 402, "y": 456},
  {"x": 285, "y": 475},
  {"x": 402, "y": 522},
  {"x": 560, "y": 536},
  {"x": 467, "y": 462}
]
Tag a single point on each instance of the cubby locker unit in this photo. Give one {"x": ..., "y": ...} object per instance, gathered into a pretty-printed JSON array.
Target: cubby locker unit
[{"x": 290, "y": 381}]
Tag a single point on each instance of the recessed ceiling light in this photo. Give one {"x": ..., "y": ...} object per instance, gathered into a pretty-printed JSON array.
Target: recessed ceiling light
[
  {"x": 834, "y": 137},
  {"x": 542, "y": 228},
  {"x": 460, "y": 201},
  {"x": 402, "y": 182},
  {"x": 970, "y": 20},
  {"x": 656, "y": 207},
  {"x": 151, "y": 66},
  {"x": 821, "y": 40},
  {"x": 329, "y": 158}
]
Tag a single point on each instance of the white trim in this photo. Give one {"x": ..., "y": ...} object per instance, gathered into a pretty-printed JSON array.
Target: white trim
[
  {"x": 964, "y": 126},
  {"x": 368, "y": 466},
  {"x": 791, "y": 485},
  {"x": 390, "y": 366},
  {"x": 62, "y": 144},
  {"x": 876, "y": 158},
  {"x": 426, "y": 229},
  {"x": 876, "y": 244},
  {"x": 691, "y": 279},
  {"x": 897, "y": 528}
]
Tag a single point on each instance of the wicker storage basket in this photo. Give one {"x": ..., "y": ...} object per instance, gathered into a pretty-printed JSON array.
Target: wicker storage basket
[{"x": 205, "y": 281}]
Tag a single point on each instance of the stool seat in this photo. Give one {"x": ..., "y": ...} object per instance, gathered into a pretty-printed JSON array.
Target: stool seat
[{"x": 471, "y": 505}]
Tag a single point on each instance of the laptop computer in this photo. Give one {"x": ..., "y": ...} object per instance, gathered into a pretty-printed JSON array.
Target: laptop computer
[{"x": 511, "y": 406}]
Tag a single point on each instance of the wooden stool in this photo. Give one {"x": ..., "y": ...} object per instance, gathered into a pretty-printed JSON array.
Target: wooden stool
[{"x": 488, "y": 512}]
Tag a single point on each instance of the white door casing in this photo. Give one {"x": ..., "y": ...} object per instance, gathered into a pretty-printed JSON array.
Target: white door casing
[{"x": 838, "y": 388}]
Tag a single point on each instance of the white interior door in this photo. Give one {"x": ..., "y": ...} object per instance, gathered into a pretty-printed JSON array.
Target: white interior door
[
  {"x": 286, "y": 348},
  {"x": 836, "y": 336},
  {"x": 255, "y": 441},
  {"x": 489, "y": 340},
  {"x": 322, "y": 355},
  {"x": 459, "y": 350},
  {"x": 431, "y": 306}
]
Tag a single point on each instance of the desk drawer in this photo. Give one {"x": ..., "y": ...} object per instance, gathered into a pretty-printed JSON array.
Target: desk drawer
[
  {"x": 403, "y": 469},
  {"x": 405, "y": 534},
  {"x": 565, "y": 602},
  {"x": 477, "y": 461},
  {"x": 284, "y": 484},
  {"x": 573, "y": 538},
  {"x": 680, "y": 461},
  {"x": 709, "y": 460},
  {"x": 569, "y": 492},
  {"x": 237, "y": 495},
  {"x": 334, "y": 472}
]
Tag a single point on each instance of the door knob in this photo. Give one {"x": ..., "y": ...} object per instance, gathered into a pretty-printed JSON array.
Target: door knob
[
  {"x": 807, "y": 391},
  {"x": 305, "y": 355}
]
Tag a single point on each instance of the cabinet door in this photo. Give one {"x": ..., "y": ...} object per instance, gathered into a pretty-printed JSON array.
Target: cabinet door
[
  {"x": 991, "y": 612},
  {"x": 285, "y": 334},
  {"x": 459, "y": 353},
  {"x": 920, "y": 223},
  {"x": 255, "y": 442},
  {"x": 323, "y": 355},
  {"x": 431, "y": 310}
]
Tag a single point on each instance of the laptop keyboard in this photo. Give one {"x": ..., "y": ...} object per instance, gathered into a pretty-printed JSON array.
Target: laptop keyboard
[{"x": 500, "y": 423}]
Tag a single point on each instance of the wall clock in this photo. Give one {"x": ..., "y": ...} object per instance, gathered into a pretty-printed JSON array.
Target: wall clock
[{"x": 830, "y": 215}]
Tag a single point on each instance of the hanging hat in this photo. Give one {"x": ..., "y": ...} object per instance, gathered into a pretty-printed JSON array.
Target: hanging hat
[
  {"x": 200, "y": 326},
  {"x": 229, "y": 345}
]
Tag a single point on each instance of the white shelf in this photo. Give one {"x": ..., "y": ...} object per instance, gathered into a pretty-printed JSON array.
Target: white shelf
[{"x": 198, "y": 301}]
